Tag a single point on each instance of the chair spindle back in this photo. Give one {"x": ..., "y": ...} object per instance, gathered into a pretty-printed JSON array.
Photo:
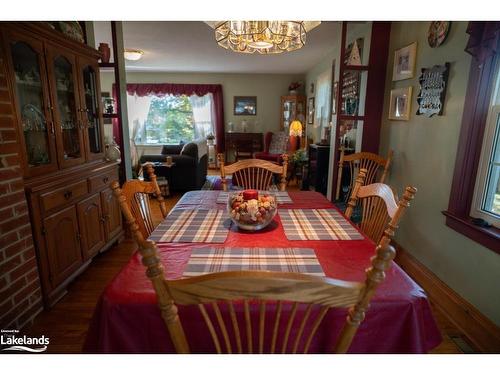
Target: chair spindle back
[
  {"x": 253, "y": 173},
  {"x": 374, "y": 164},
  {"x": 135, "y": 203}
]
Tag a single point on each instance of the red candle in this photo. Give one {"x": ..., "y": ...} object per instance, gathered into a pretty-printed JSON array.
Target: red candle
[{"x": 250, "y": 194}]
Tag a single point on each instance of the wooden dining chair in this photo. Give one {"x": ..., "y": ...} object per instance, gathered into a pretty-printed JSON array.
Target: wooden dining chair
[
  {"x": 376, "y": 166},
  {"x": 225, "y": 297},
  {"x": 378, "y": 205},
  {"x": 134, "y": 200},
  {"x": 253, "y": 173}
]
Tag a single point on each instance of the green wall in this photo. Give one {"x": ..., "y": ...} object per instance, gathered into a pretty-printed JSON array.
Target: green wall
[
  {"x": 424, "y": 156},
  {"x": 267, "y": 87}
]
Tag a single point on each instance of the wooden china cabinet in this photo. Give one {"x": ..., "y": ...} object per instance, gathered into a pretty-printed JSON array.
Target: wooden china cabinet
[
  {"x": 54, "y": 84},
  {"x": 293, "y": 107}
]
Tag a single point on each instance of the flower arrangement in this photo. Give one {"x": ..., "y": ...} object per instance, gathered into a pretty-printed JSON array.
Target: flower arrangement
[
  {"x": 294, "y": 86},
  {"x": 251, "y": 210}
]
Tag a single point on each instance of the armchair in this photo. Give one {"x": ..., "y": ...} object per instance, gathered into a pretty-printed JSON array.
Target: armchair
[
  {"x": 191, "y": 163},
  {"x": 269, "y": 153}
]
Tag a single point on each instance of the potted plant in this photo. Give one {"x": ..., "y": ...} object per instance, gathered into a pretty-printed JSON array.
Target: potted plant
[{"x": 299, "y": 157}]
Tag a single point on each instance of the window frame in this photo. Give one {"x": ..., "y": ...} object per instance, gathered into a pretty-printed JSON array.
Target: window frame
[
  {"x": 491, "y": 134},
  {"x": 484, "y": 45}
]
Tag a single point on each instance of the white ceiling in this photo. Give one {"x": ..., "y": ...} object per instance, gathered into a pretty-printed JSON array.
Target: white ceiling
[{"x": 189, "y": 46}]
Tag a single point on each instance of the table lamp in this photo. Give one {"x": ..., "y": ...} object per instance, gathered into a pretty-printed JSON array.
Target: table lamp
[{"x": 295, "y": 134}]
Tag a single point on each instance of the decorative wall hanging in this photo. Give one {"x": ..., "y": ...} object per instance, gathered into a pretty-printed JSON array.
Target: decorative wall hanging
[
  {"x": 438, "y": 31},
  {"x": 351, "y": 79},
  {"x": 310, "y": 111},
  {"x": 433, "y": 83},
  {"x": 245, "y": 105},
  {"x": 404, "y": 62},
  {"x": 400, "y": 104}
]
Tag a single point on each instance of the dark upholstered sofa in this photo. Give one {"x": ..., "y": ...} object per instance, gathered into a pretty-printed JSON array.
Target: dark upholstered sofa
[{"x": 190, "y": 169}]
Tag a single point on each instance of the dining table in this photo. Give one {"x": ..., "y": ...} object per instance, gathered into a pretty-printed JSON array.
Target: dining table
[{"x": 399, "y": 319}]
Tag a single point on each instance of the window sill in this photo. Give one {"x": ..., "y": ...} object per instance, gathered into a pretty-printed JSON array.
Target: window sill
[{"x": 488, "y": 237}]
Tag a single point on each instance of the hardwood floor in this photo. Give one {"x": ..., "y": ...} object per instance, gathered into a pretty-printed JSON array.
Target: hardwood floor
[{"x": 66, "y": 323}]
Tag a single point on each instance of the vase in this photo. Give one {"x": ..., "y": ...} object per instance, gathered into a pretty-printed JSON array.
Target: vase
[
  {"x": 105, "y": 52},
  {"x": 112, "y": 152},
  {"x": 293, "y": 92}
]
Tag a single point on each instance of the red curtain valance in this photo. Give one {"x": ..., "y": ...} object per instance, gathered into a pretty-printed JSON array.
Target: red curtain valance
[
  {"x": 484, "y": 39},
  {"x": 162, "y": 89}
]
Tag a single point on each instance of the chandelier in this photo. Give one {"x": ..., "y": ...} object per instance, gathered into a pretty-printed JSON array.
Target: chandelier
[{"x": 265, "y": 37}]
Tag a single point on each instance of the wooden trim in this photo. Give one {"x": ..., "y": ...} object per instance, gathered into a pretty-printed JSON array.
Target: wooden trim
[
  {"x": 488, "y": 237},
  {"x": 374, "y": 96},
  {"x": 476, "y": 107},
  {"x": 118, "y": 97},
  {"x": 43, "y": 31},
  {"x": 479, "y": 329}
]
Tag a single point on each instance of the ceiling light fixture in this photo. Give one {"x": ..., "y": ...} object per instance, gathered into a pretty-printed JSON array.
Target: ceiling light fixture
[
  {"x": 264, "y": 37},
  {"x": 133, "y": 54}
]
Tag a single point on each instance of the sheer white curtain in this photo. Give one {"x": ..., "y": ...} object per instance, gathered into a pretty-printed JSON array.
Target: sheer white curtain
[
  {"x": 138, "y": 109},
  {"x": 323, "y": 85},
  {"x": 203, "y": 115}
]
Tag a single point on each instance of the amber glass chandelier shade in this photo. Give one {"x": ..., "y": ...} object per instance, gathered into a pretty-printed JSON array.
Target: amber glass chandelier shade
[{"x": 265, "y": 37}]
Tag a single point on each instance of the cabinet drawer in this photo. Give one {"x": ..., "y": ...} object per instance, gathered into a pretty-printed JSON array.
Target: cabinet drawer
[
  {"x": 103, "y": 180},
  {"x": 63, "y": 195}
]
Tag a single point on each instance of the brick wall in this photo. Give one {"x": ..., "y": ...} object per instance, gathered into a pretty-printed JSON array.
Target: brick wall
[{"x": 20, "y": 294}]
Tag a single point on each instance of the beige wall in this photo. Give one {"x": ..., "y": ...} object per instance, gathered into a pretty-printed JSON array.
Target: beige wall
[
  {"x": 267, "y": 87},
  {"x": 425, "y": 151}
]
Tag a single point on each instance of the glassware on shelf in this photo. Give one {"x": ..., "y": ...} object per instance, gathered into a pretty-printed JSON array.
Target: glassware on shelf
[
  {"x": 31, "y": 102},
  {"x": 63, "y": 71}
]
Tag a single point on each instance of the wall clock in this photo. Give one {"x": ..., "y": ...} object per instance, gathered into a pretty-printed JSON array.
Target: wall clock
[{"x": 438, "y": 31}]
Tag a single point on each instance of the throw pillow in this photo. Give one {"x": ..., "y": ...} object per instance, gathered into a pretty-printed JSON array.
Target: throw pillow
[{"x": 279, "y": 143}]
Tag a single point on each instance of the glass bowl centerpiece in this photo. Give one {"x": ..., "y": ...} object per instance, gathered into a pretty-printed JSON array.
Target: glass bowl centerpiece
[{"x": 251, "y": 210}]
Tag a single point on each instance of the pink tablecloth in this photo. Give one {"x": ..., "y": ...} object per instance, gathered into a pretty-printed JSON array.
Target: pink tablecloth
[{"x": 127, "y": 319}]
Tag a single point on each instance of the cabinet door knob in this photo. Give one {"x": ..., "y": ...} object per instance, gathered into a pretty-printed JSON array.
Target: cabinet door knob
[
  {"x": 68, "y": 194},
  {"x": 105, "y": 180}
]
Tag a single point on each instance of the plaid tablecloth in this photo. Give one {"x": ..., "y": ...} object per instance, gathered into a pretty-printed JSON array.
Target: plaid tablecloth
[
  {"x": 219, "y": 259},
  {"x": 199, "y": 225},
  {"x": 317, "y": 224},
  {"x": 282, "y": 197}
]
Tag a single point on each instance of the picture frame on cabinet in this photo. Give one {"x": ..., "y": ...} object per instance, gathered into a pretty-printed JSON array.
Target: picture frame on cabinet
[
  {"x": 310, "y": 110},
  {"x": 400, "y": 104},
  {"x": 404, "y": 62}
]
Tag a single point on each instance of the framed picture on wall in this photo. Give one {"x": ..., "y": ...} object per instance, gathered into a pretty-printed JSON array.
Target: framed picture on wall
[
  {"x": 310, "y": 110},
  {"x": 404, "y": 62},
  {"x": 245, "y": 105},
  {"x": 400, "y": 104}
]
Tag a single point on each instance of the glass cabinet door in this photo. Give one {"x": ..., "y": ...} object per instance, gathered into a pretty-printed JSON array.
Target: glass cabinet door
[
  {"x": 91, "y": 109},
  {"x": 64, "y": 90},
  {"x": 33, "y": 105},
  {"x": 289, "y": 113}
]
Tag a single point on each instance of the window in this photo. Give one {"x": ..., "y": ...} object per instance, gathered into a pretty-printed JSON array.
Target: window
[
  {"x": 486, "y": 204},
  {"x": 474, "y": 189},
  {"x": 169, "y": 119}
]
